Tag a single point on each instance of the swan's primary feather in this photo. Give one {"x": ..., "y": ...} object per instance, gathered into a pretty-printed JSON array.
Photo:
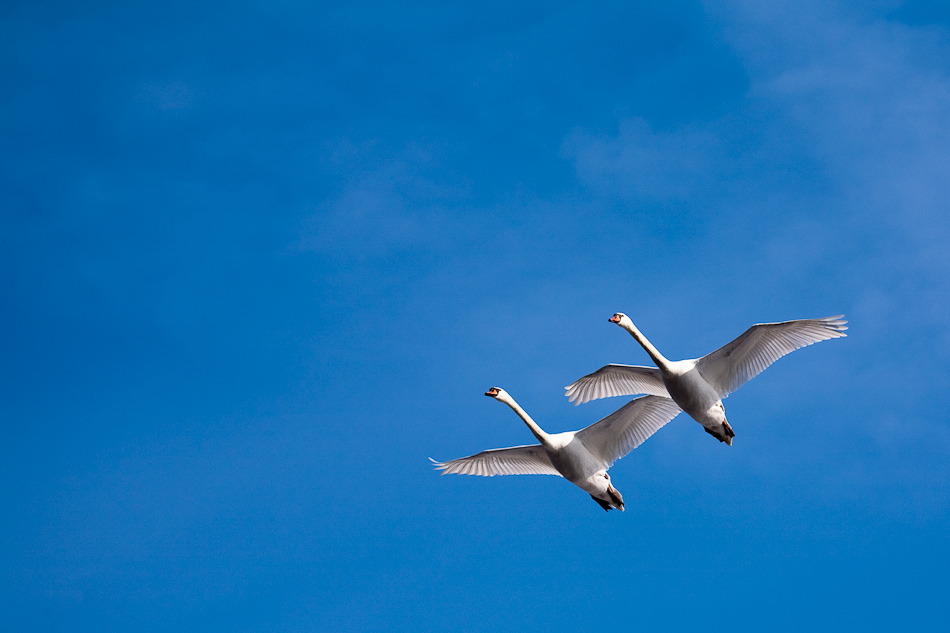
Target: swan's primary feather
[
  {"x": 617, "y": 380},
  {"x": 628, "y": 427},
  {"x": 735, "y": 363},
  {"x": 517, "y": 460}
]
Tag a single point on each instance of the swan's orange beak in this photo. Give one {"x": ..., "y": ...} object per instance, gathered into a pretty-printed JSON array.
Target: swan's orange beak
[
  {"x": 492, "y": 392},
  {"x": 614, "y": 319}
]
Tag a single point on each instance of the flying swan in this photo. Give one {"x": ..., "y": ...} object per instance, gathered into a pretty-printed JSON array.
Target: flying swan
[
  {"x": 699, "y": 385},
  {"x": 582, "y": 457}
]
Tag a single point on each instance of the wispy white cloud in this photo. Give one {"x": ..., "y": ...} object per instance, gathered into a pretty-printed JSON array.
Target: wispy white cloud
[
  {"x": 830, "y": 181},
  {"x": 860, "y": 102},
  {"x": 386, "y": 201},
  {"x": 870, "y": 98},
  {"x": 168, "y": 95},
  {"x": 642, "y": 163}
]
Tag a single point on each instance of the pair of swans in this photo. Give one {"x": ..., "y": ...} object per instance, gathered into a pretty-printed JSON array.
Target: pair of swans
[{"x": 696, "y": 386}]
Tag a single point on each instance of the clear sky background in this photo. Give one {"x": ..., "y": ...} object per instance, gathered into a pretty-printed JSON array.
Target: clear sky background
[{"x": 260, "y": 260}]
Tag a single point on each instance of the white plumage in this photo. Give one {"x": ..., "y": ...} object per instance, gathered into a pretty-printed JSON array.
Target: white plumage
[
  {"x": 582, "y": 457},
  {"x": 517, "y": 460},
  {"x": 699, "y": 385}
]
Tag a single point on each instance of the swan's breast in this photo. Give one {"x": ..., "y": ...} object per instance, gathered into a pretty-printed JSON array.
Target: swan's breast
[
  {"x": 689, "y": 389},
  {"x": 572, "y": 459}
]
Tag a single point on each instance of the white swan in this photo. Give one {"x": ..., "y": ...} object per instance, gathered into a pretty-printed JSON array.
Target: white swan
[
  {"x": 582, "y": 457},
  {"x": 699, "y": 385}
]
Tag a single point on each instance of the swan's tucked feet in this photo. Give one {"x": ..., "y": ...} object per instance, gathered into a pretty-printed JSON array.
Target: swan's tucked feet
[
  {"x": 615, "y": 495},
  {"x": 616, "y": 500},
  {"x": 603, "y": 504},
  {"x": 729, "y": 433},
  {"x": 727, "y": 438}
]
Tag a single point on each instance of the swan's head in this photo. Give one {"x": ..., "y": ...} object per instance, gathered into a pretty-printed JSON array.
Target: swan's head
[
  {"x": 620, "y": 319},
  {"x": 496, "y": 393},
  {"x": 500, "y": 395}
]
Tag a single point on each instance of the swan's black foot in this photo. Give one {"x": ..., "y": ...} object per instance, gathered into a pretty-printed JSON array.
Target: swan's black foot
[
  {"x": 714, "y": 434},
  {"x": 722, "y": 438},
  {"x": 603, "y": 504}
]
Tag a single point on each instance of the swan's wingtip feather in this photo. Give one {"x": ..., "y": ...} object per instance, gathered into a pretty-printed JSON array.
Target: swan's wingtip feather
[
  {"x": 439, "y": 466},
  {"x": 572, "y": 393}
]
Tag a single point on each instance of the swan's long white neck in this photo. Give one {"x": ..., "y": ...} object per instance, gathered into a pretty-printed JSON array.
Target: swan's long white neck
[
  {"x": 537, "y": 430},
  {"x": 654, "y": 353}
]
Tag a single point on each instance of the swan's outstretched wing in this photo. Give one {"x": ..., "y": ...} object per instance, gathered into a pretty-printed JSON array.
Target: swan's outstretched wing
[
  {"x": 732, "y": 365},
  {"x": 617, "y": 380},
  {"x": 517, "y": 460},
  {"x": 628, "y": 427}
]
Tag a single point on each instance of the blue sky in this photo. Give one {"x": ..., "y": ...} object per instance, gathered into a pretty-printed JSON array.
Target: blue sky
[{"x": 259, "y": 261}]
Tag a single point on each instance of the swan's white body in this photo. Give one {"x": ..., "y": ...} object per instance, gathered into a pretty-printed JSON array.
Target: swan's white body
[
  {"x": 582, "y": 457},
  {"x": 699, "y": 385}
]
